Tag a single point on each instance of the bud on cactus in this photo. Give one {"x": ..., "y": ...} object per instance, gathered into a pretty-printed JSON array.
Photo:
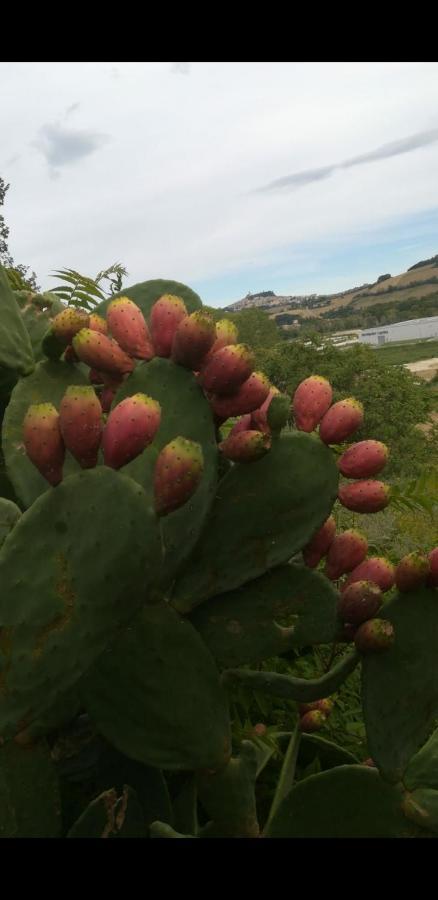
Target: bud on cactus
[
  {"x": 312, "y": 721},
  {"x": 242, "y": 424},
  {"x": 193, "y": 338},
  {"x": 259, "y": 730},
  {"x": 346, "y": 551},
  {"x": 325, "y": 706},
  {"x": 365, "y": 496},
  {"x": 96, "y": 323},
  {"x": 166, "y": 314},
  {"x": 43, "y": 441},
  {"x": 363, "y": 460},
  {"x": 131, "y": 427},
  {"x": 106, "y": 398},
  {"x": 376, "y": 569},
  {"x": 178, "y": 471},
  {"x": 320, "y": 543},
  {"x": 361, "y": 601},
  {"x": 250, "y": 396},
  {"x": 374, "y": 636},
  {"x": 226, "y": 333},
  {"x": 227, "y": 369},
  {"x": 80, "y": 420},
  {"x": 412, "y": 572},
  {"x": 128, "y": 326},
  {"x": 245, "y": 447},
  {"x": 341, "y": 421},
  {"x": 432, "y": 580},
  {"x": 101, "y": 352},
  {"x": 259, "y": 417},
  {"x": 67, "y": 323},
  {"x": 311, "y": 401}
]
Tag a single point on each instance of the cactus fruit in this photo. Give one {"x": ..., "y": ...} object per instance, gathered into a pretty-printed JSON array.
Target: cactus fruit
[
  {"x": 432, "y": 580},
  {"x": 374, "y": 636},
  {"x": 97, "y": 323},
  {"x": 193, "y": 338},
  {"x": 346, "y": 551},
  {"x": 166, "y": 314},
  {"x": 128, "y": 326},
  {"x": 43, "y": 441},
  {"x": 325, "y": 706},
  {"x": 365, "y": 496},
  {"x": 320, "y": 543},
  {"x": 131, "y": 427},
  {"x": 311, "y": 401},
  {"x": 106, "y": 398},
  {"x": 227, "y": 369},
  {"x": 363, "y": 460},
  {"x": 312, "y": 721},
  {"x": 259, "y": 730},
  {"x": 247, "y": 446},
  {"x": 341, "y": 421},
  {"x": 226, "y": 334},
  {"x": 67, "y": 323},
  {"x": 251, "y": 394},
  {"x": 412, "y": 572},
  {"x": 177, "y": 474},
  {"x": 101, "y": 352},
  {"x": 259, "y": 417},
  {"x": 277, "y": 414},
  {"x": 376, "y": 569},
  {"x": 361, "y": 601},
  {"x": 242, "y": 424},
  {"x": 80, "y": 420}
]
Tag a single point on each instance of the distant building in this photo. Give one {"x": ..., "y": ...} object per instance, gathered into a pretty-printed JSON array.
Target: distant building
[{"x": 410, "y": 330}]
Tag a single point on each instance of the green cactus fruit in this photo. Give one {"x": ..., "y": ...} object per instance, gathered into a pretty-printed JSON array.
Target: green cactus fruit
[
  {"x": 101, "y": 352},
  {"x": 347, "y": 550},
  {"x": 341, "y": 421},
  {"x": 311, "y": 401},
  {"x": 361, "y": 601},
  {"x": 277, "y": 413},
  {"x": 193, "y": 339},
  {"x": 325, "y": 706},
  {"x": 376, "y": 569},
  {"x": 67, "y": 323},
  {"x": 97, "y": 323},
  {"x": 432, "y": 580},
  {"x": 226, "y": 334},
  {"x": 127, "y": 325},
  {"x": 130, "y": 428},
  {"x": 364, "y": 459},
  {"x": 166, "y": 314},
  {"x": 245, "y": 447},
  {"x": 412, "y": 572},
  {"x": 321, "y": 541},
  {"x": 259, "y": 418},
  {"x": 227, "y": 369},
  {"x": 43, "y": 441},
  {"x": 313, "y": 720},
  {"x": 374, "y": 636},
  {"x": 80, "y": 420},
  {"x": 178, "y": 471},
  {"x": 365, "y": 496},
  {"x": 250, "y": 395},
  {"x": 9, "y": 516}
]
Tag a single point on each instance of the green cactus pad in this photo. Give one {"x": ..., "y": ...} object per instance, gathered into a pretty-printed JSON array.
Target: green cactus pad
[
  {"x": 228, "y": 797},
  {"x": 37, "y": 313},
  {"x": 422, "y": 770},
  {"x": 264, "y": 513},
  {"x": 346, "y": 802},
  {"x": 400, "y": 686},
  {"x": 186, "y": 413},
  {"x": 161, "y": 830},
  {"x": 29, "y": 799},
  {"x": 110, "y": 816},
  {"x": 242, "y": 626},
  {"x": 421, "y": 807},
  {"x": 156, "y": 695},
  {"x": 15, "y": 347},
  {"x": 146, "y": 293},
  {"x": 185, "y": 807},
  {"x": 47, "y": 383},
  {"x": 77, "y": 565},
  {"x": 9, "y": 516},
  {"x": 314, "y": 746}
]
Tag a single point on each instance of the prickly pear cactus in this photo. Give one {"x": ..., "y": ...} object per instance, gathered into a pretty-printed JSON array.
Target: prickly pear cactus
[{"x": 151, "y": 562}]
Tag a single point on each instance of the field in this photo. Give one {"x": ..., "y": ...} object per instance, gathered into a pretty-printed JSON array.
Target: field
[{"x": 400, "y": 353}]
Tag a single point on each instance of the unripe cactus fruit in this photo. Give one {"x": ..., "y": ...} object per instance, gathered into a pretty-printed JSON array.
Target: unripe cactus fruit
[
  {"x": 177, "y": 474},
  {"x": 166, "y": 314},
  {"x": 128, "y": 326},
  {"x": 432, "y": 580},
  {"x": 96, "y": 323},
  {"x": 365, "y": 496},
  {"x": 311, "y": 401},
  {"x": 251, "y": 394},
  {"x": 374, "y": 636},
  {"x": 227, "y": 369},
  {"x": 43, "y": 441},
  {"x": 341, "y": 421},
  {"x": 131, "y": 427},
  {"x": 376, "y": 569},
  {"x": 325, "y": 706},
  {"x": 246, "y": 446},
  {"x": 193, "y": 338},
  {"x": 68, "y": 322},
  {"x": 346, "y": 551},
  {"x": 363, "y": 460},
  {"x": 226, "y": 333},
  {"x": 312, "y": 721},
  {"x": 80, "y": 419},
  {"x": 412, "y": 571},
  {"x": 361, "y": 601},
  {"x": 101, "y": 352},
  {"x": 277, "y": 413},
  {"x": 320, "y": 543}
]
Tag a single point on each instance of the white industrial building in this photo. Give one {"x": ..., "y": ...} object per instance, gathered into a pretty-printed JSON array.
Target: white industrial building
[{"x": 410, "y": 330}]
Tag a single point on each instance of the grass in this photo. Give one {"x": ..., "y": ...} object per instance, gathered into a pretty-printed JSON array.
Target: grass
[{"x": 407, "y": 351}]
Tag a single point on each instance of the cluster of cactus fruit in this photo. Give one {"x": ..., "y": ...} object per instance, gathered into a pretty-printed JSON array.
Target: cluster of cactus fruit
[{"x": 147, "y": 561}]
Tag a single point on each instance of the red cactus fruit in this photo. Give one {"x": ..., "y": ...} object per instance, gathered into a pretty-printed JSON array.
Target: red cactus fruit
[
  {"x": 101, "y": 352},
  {"x": 374, "y": 636},
  {"x": 242, "y": 424},
  {"x": 128, "y": 326},
  {"x": 376, "y": 569},
  {"x": 166, "y": 314},
  {"x": 361, "y": 601},
  {"x": 131, "y": 427},
  {"x": 259, "y": 730},
  {"x": 341, "y": 421},
  {"x": 432, "y": 580},
  {"x": 311, "y": 401},
  {"x": 80, "y": 420},
  {"x": 312, "y": 721},
  {"x": 178, "y": 472},
  {"x": 193, "y": 338},
  {"x": 227, "y": 369},
  {"x": 364, "y": 459},
  {"x": 320, "y": 543},
  {"x": 412, "y": 572},
  {"x": 68, "y": 322},
  {"x": 251, "y": 394},
  {"x": 365, "y": 496},
  {"x": 346, "y": 551},
  {"x": 98, "y": 324},
  {"x": 245, "y": 447},
  {"x": 226, "y": 333},
  {"x": 43, "y": 441}
]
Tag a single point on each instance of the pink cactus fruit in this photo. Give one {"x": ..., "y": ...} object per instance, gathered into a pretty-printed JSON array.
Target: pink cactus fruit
[
  {"x": 432, "y": 580},
  {"x": 259, "y": 730},
  {"x": 178, "y": 472},
  {"x": 376, "y": 569},
  {"x": 364, "y": 459},
  {"x": 311, "y": 401},
  {"x": 251, "y": 394},
  {"x": 341, "y": 421},
  {"x": 43, "y": 441},
  {"x": 80, "y": 419},
  {"x": 130, "y": 428},
  {"x": 226, "y": 333},
  {"x": 227, "y": 369},
  {"x": 128, "y": 326},
  {"x": 68, "y": 322},
  {"x": 361, "y": 601},
  {"x": 242, "y": 424},
  {"x": 325, "y": 706},
  {"x": 365, "y": 496},
  {"x": 346, "y": 551},
  {"x": 412, "y": 572},
  {"x": 319, "y": 544},
  {"x": 166, "y": 314},
  {"x": 374, "y": 636},
  {"x": 101, "y": 352},
  {"x": 313, "y": 720},
  {"x": 245, "y": 447},
  {"x": 97, "y": 323},
  {"x": 193, "y": 338}
]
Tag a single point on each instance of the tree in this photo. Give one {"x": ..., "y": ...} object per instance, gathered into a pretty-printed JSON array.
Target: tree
[{"x": 20, "y": 276}]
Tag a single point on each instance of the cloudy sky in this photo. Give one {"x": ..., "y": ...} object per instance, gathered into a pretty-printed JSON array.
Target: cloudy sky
[{"x": 230, "y": 177}]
